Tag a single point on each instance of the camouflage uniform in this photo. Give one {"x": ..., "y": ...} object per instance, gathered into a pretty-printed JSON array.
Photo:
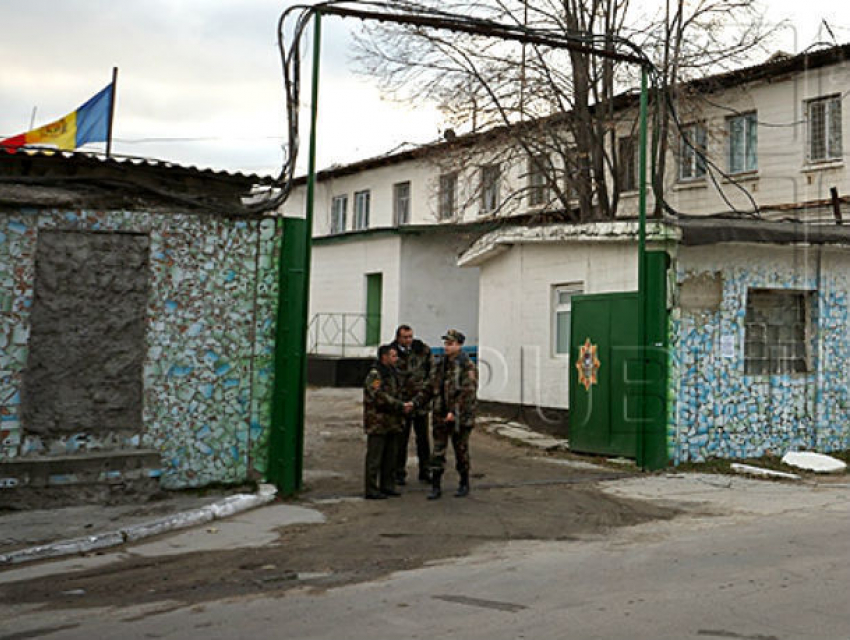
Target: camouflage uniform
[
  {"x": 453, "y": 388},
  {"x": 382, "y": 421},
  {"x": 414, "y": 368}
]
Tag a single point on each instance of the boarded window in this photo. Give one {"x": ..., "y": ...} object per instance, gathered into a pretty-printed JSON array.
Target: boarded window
[
  {"x": 778, "y": 326},
  {"x": 87, "y": 340}
]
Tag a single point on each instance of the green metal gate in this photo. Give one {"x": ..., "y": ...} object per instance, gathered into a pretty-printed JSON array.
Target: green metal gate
[{"x": 615, "y": 408}]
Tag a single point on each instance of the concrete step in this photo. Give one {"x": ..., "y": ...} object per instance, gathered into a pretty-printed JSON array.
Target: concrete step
[{"x": 37, "y": 481}]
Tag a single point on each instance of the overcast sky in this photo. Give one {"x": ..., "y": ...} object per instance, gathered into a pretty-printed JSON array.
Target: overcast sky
[{"x": 200, "y": 81}]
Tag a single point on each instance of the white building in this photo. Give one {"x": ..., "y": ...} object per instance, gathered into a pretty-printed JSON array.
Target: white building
[{"x": 767, "y": 145}]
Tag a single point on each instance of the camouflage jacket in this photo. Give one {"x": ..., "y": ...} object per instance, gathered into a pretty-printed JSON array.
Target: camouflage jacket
[
  {"x": 414, "y": 368},
  {"x": 453, "y": 387},
  {"x": 383, "y": 410}
]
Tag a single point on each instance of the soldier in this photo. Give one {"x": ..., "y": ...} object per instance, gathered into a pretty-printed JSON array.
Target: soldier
[
  {"x": 414, "y": 366},
  {"x": 452, "y": 387},
  {"x": 383, "y": 412}
]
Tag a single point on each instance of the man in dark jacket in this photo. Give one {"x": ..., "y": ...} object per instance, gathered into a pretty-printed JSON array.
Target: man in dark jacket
[
  {"x": 383, "y": 412},
  {"x": 453, "y": 387},
  {"x": 414, "y": 366}
]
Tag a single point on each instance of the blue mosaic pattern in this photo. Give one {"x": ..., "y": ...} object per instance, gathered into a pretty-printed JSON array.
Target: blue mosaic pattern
[
  {"x": 210, "y": 337},
  {"x": 716, "y": 411}
]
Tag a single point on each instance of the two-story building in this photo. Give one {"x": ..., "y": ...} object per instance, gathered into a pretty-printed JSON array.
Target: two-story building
[{"x": 756, "y": 289}]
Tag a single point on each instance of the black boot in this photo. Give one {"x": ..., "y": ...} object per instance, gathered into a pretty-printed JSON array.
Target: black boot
[
  {"x": 436, "y": 490},
  {"x": 463, "y": 486}
]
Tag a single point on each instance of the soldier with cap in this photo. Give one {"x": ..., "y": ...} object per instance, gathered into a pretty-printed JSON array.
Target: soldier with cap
[
  {"x": 453, "y": 387},
  {"x": 414, "y": 366},
  {"x": 383, "y": 412}
]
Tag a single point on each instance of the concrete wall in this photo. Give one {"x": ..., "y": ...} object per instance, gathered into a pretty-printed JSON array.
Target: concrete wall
[
  {"x": 338, "y": 290},
  {"x": 209, "y": 339},
  {"x": 518, "y": 363},
  {"x": 715, "y": 409},
  {"x": 435, "y": 294}
]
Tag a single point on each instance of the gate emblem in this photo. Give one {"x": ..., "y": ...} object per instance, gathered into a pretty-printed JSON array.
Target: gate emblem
[{"x": 587, "y": 365}]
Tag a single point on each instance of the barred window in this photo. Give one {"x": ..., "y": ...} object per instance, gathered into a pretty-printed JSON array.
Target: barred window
[
  {"x": 825, "y": 129},
  {"x": 777, "y": 329},
  {"x": 448, "y": 196}
]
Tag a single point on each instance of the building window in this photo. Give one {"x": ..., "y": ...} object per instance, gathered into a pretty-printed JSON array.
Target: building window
[
  {"x": 743, "y": 143},
  {"x": 448, "y": 196},
  {"x": 777, "y": 330},
  {"x": 825, "y": 129},
  {"x": 361, "y": 210},
  {"x": 562, "y": 311},
  {"x": 490, "y": 188},
  {"x": 339, "y": 206},
  {"x": 627, "y": 163},
  {"x": 692, "y": 152},
  {"x": 401, "y": 203},
  {"x": 538, "y": 182}
]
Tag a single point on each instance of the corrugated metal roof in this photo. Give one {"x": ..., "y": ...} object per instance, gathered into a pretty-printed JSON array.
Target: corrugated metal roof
[{"x": 87, "y": 158}]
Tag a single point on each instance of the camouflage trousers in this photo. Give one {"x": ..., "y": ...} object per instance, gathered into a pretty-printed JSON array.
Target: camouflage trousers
[
  {"x": 379, "y": 471},
  {"x": 459, "y": 435}
]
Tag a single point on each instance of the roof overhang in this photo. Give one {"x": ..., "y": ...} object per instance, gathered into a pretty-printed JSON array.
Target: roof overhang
[
  {"x": 696, "y": 232},
  {"x": 497, "y": 242}
]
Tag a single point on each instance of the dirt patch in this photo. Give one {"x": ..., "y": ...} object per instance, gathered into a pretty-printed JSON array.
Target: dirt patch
[{"x": 517, "y": 494}]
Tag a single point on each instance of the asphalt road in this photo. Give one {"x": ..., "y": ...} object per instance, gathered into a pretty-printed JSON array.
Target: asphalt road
[{"x": 748, "y": 560}]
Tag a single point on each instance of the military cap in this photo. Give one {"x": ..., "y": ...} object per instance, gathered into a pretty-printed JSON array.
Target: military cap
[{"x": 455, "y": 335}]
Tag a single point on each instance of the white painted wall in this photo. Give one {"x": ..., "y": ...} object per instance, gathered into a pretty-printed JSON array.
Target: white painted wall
[
  {"x": 436, "y": 295},
  {"x": 516, "y": 310},
  {"x": 338, "y": 285}
]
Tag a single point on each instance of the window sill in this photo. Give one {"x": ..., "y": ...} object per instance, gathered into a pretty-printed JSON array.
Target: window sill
[
  {"x": 686, "y": 185},
  {"x": 824, "y": 165},
  {"x": 744, "y": 176}
]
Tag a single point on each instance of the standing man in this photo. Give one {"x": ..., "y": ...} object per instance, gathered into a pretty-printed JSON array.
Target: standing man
[
  {"x": 453, "y": 387},
  {"x": 414, "y": 366},
  {"x": 383, "y": 412}
]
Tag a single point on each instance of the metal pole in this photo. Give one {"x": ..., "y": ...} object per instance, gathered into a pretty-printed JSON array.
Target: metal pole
[
  {"x": 111, "y": 111},
  {"x": 642, "y": 292}
]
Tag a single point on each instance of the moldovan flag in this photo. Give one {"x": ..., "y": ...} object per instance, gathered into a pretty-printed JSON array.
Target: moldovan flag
[{"x": 89, "y": 123}]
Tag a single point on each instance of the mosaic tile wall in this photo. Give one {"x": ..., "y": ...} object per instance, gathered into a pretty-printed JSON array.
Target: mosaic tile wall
[
  {"x": 210, "y": 340},
  {"x": 715, "y": 410}
]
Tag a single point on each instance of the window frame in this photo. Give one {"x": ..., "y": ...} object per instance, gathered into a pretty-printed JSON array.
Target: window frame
[
  {"x": 539, "y": 191},
  {"x": 750, "y": 121},
  {"x": 558, "y": 308},
  {"x": 334, "y": 227},
  {"x": 760, "y": 355},
  {"x": 627, "y": 173},
  {"x": 447, "y": 206},
  {"x": 490, "y": 188},
  {"x": 693, "y": 152},
  {"x": 361, "y": 212},
  {"x": 401, "y": 217},
  {"x": 830, "y": 154}
]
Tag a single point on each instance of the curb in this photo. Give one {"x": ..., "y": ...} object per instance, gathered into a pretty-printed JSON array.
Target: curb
[{"x": 224, "y": 508}]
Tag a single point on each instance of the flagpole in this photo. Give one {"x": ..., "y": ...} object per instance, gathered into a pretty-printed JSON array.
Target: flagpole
[{"x": 111, "y": 112}]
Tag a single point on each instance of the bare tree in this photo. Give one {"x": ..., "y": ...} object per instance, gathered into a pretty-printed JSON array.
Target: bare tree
[{"x": 565, "y": 112}]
